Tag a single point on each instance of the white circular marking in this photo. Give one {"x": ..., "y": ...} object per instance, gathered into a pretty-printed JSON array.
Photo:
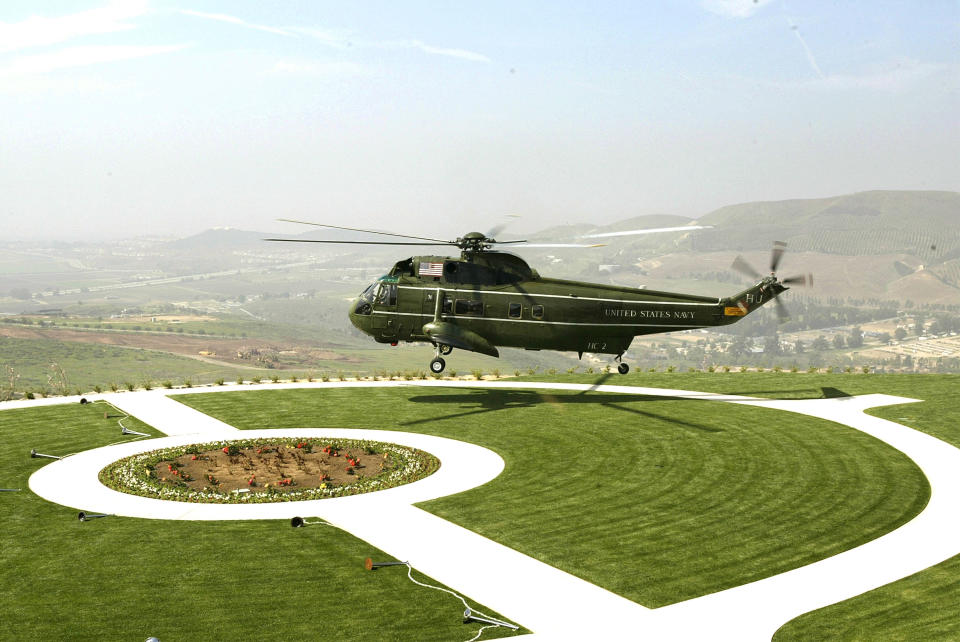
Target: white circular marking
[{"x": 74, "y": 481}]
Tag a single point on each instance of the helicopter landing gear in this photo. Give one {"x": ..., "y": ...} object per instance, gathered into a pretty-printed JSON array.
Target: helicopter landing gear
[
  {"x": 444, "y": 348},
  {"x": 622, "y": 368},
  {"x": 437, "y": 365}
]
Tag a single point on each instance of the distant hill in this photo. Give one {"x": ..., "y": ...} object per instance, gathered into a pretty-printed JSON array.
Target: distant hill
[
  {"x": 922, "y": 224},
  {"x": 223, "y": 238}
]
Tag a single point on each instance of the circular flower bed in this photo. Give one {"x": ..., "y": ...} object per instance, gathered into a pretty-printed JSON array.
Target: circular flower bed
[{"x": 268, "y": 470}]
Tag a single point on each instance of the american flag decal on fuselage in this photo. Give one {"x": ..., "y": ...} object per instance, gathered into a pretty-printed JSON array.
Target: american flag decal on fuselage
[{"x": 431, "y": 269}]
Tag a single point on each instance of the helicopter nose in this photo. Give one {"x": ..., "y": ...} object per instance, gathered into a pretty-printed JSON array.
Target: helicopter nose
[{"x": 360, "y": 321}]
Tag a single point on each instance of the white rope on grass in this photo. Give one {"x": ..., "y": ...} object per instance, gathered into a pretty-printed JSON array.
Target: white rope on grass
[{"x": 459, "y": 597}]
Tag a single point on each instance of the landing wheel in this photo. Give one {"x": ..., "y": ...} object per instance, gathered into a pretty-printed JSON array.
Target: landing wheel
[
  {"x": 623, "y": 368},
  {"x": 437, "y": 365},
  {"x": 445, "y": 349}
]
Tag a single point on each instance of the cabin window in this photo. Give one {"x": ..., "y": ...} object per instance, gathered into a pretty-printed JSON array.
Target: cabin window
[
  {"x": 467, "y": 307},
  {"x": 447, "y": 305},
  {"x": 515, "y": 310},
  {"x": 536, "y": 311}
]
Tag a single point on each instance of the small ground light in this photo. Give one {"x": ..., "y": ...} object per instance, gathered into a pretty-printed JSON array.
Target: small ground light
[
  {"x": 370, "y": 565},
  {"x": 83, "y": 517},
  {"x": 35, "y": 454},
  {"x": 470, "y": 616},
  {"x": 9, "y": 490}
]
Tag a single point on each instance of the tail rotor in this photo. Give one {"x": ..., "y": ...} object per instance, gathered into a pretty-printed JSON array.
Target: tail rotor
[{"x": 771, "y": 283}]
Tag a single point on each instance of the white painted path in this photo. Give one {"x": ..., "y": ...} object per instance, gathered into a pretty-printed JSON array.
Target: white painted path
[{"x": 550, "y": 602}]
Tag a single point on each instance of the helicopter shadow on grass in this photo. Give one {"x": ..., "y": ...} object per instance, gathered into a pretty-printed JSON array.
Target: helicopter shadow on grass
[
  {"x": 796, "y": 394},
  {"x": 485, "y": 400}
]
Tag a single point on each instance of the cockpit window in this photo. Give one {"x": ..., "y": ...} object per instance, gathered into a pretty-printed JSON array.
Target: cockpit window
[
  {"x": 367, "y": 295},
  {"x": 386, "y": 294}
]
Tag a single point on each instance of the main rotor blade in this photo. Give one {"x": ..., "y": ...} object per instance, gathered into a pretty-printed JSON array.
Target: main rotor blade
[
  {"x": 740, "y": 265},
  {"x": 358, "y": 242},
  {"x": 778, "y": 249},
  {"x": 802, "y": 280},
  {"x": 357, "y": 229},
  {"x": 782, "y": 314},
  {"x": 652, "y": 230},
  {"x": 554, "y": 244}
]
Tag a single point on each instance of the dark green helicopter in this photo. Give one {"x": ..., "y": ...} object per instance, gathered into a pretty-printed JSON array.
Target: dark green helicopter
[{"x": 487, "y": 299}]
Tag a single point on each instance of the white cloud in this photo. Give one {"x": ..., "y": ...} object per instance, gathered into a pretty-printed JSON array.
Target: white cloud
[
  {"x": 222, "y": 17},
  {"x": 316, "y": 68},
  {"x": 81, "y": 57},
  {"x": 342, "y": 40},
  {"x": 734, "y": 8},
  {"x": 896, "y": 77},
  {"x": 39, "y": 31},
  {"x": 440, "y": 51}
]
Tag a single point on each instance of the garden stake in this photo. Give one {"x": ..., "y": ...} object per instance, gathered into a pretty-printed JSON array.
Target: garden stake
[
  {"x": 85, "y": 516},
  {"x": 35, "y": 454},
  {"x": 9, "y": 490}
]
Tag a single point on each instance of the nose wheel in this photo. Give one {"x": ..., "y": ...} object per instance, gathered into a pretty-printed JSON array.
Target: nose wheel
[{"x": 437, "y": 365}]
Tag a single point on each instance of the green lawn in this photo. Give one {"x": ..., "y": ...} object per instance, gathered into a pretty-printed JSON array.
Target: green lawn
[
  {"x": 127, "y": 579},
  {"x": 659, "y": 500},
  {"x": 87, "y": 365},
  {"x": 920, "y": 607}
]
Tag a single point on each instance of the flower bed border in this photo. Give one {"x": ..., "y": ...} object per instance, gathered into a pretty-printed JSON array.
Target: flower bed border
[{"x": 128, "y": 475}]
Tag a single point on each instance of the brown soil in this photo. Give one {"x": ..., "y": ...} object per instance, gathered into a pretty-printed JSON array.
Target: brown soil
[{"x": 270, "y": 466}]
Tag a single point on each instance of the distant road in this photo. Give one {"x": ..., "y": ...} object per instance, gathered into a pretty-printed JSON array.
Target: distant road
[{"x": 193, "y": 277}]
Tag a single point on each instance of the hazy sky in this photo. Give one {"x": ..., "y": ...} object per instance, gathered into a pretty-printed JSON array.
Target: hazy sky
[{"x": 169, "y": 117}]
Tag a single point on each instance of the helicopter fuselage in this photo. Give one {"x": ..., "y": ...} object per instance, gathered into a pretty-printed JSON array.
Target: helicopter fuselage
[{"x": 483, "y": 301}]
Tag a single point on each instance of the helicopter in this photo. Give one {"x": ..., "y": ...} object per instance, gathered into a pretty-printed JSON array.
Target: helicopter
[{"x": 487, "y": 299}]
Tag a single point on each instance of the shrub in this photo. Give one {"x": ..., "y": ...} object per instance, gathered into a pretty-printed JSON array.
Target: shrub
[
  {"x": 552, "y": 371},
  {"x": 453, "y": 374},
  {"x": 477, "y": 374},
  {"x": 129, "y": 386},
  {"x": 848, "y": 369},
  {"x": 496, "y": 373},
  {"x": 240, "y": 380},
  {"x": 274, "y": 378},
  {"x": 168, "y": 384},
  {"x": 324, "y": 377},
  {"x": 777, "y": 369},
  {"x": 711, "y": 368},
  {"x": 29, "y": 395},
  {"x": 219, "y": 381},
  {"x": 691, "y": 369},
  {"x": 865, "y": 369},
  {"x": 812, "y": 370},
  {"x": 187, "y": 383},
  {"x": 571, "y": 370},
  {"x": 671, "y": 368},
  {"x": 293, "y": 378},
  {"x": 114, "y": 387},
  {"x": 743, "y": 368},
  {"x": 97, "y": 388},
  {"x": 726, "y": 368},
  {"x": 255, "y": 379},
  {"x": 531, "y": 371}
]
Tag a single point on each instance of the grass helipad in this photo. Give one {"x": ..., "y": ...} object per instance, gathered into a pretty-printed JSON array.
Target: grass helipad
[
  {"x": 659, "y": 500},
  {"x": 656, "y": 499}
]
